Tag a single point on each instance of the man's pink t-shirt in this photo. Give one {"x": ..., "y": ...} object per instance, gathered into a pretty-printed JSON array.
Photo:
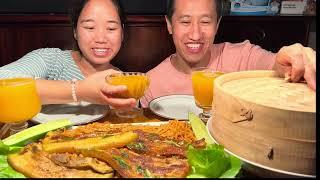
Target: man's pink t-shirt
[{"x": 225, "y": 57}]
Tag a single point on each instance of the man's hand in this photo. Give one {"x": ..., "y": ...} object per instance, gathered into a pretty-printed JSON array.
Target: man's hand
[{"x": 296, "y": 62}]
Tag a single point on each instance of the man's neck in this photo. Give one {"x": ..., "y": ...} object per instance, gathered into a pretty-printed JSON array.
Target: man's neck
[{"x": 185, "y": 67}]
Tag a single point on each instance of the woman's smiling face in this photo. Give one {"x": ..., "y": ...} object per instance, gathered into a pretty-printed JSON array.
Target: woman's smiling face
[{"x": 99, "y": 31}]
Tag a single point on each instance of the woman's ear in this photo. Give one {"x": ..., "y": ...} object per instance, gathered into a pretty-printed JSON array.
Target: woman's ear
[
  {"x": 75, "y": 35},
  {"x": 169, "y": 25}
]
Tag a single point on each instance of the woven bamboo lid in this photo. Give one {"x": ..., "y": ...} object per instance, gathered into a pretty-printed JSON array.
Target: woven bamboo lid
[
  {"x": 266, "y": 120},
  {"x": 266, "y": 88}
]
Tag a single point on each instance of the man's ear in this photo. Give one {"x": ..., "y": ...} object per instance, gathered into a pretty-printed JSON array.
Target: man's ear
[
  {"x": 122, "y": 37},
  {"x": 169, "y": 26}
]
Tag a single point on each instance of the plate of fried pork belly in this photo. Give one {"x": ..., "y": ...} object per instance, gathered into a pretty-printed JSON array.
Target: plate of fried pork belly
[{"x": 102, "y": 150}]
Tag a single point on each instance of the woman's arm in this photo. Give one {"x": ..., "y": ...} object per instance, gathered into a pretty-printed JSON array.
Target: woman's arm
[
  {"x": 54, "y": 92},
  {"x": 92, "y": 89},
  {"x": 34, "y": 63}
]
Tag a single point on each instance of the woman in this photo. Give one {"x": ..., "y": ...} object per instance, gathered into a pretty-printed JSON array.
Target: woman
[{"x": 79, "y": 75}]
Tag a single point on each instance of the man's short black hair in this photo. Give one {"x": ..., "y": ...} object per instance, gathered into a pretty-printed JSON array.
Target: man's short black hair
[{"x": 170, "y": 9}]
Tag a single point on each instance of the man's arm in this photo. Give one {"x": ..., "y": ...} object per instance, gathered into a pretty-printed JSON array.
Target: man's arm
[{"x": 296, "y": 62}]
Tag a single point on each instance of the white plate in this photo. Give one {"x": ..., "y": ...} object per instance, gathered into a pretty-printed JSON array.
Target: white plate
[
  {"x": 174, "y": 106},
  {"x": 77, "y": 114},
  {"x": 259, "y": 169}
]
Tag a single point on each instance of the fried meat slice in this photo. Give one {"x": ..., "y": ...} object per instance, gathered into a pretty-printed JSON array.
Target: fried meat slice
[
  {"x": 154, "y": 145},
  {"x": 34, "y": 163},
  {"x": 76, "y": 161},
  {"x": 133, "y": 165}
]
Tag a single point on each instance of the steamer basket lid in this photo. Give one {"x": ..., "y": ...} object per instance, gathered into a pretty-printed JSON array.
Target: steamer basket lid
[{"x": 264, "y": 87}]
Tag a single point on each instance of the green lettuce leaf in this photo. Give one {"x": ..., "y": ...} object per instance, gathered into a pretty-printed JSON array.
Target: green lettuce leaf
[
  {"x": 213, "y": 161},
  {"x": 209, "y": 162},
  {"x": 5, "y": 149},
  {"x": 234, "y": 169},
  {"x": 6, "y": 171}
]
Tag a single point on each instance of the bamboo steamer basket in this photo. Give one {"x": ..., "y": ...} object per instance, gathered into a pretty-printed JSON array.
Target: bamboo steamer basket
[{"x": 266, "y": 120}]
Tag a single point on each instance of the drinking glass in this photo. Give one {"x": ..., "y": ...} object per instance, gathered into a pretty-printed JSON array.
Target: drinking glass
[
  {"x": 136, "y": 83},
  {"x": 19, "y": 102},
  {"x": 202, "y": 85}
]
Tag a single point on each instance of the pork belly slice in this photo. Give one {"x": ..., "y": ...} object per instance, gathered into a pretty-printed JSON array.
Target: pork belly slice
[
  {"x": 133, "y": 165},
  {"x": 154, "y": 145},
  {"x": 34, "y": 163},
  {"x": 76, "y": 161}
]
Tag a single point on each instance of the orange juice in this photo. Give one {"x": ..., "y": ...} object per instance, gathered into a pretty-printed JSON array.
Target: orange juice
[
  {"x": 136, "y": 84},
  {"x": 202, "y": 84},
  {"x": 19, "y": 100}
]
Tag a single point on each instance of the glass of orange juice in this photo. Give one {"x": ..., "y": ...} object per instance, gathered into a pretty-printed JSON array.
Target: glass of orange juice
[
  {"x": 19, "y": 102},
  {"x": 136, "y": 83},
  {"x": 202, "y": 85}
]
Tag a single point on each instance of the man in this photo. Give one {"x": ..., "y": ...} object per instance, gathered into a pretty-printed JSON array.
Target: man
[{"x": 193, "y": 25}]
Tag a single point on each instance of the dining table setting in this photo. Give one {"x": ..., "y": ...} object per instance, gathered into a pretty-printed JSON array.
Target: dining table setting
[
  {"x": 110, "y": 117},
  {"x": 147, "y": 117},
  {"x": 233, "y": 125}
]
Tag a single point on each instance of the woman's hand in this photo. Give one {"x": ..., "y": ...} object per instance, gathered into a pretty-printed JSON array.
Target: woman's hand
[
  {"x": 94, "y": 89},
  {"x": 296, "y": 62}
]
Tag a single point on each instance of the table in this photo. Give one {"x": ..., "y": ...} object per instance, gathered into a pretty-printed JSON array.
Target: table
[{"x": 148, "y": 116}]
